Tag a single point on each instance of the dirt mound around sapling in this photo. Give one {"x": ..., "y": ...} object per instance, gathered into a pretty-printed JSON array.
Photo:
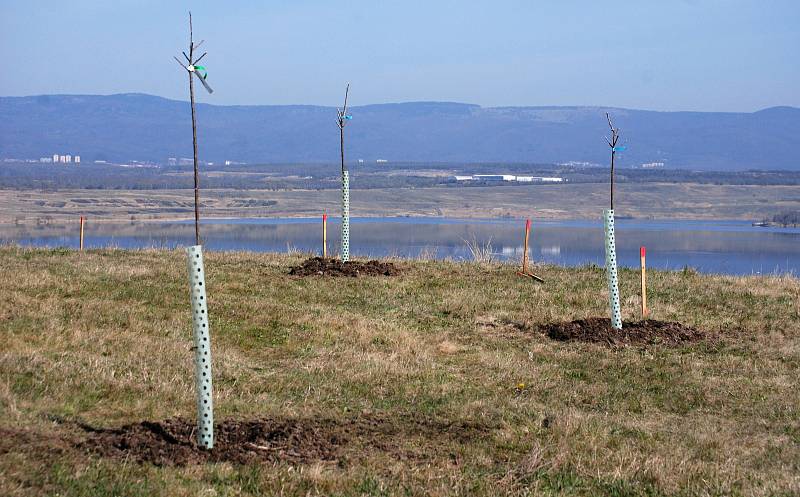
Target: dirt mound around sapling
[
  {"x": 317, "y": 266},
  {"x": 173, "y": 443},
  {"x": 302, "y": 440},
  {"x": 646, "y": 332}
]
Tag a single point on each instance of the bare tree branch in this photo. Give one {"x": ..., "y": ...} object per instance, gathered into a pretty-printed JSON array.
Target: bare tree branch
[
  {"x": 191, "y": 38},
  {"x": 179, "y": 62},
  {"x": 612, "y": 144}
]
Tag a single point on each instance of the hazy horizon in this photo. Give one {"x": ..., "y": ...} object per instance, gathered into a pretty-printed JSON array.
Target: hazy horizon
[
  {"x": 705, "y": 56},
  {"x": 366, "y": 104}
]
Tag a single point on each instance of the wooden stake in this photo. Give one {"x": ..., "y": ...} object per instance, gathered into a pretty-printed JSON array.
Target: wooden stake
[
  {"x": 525, "y": 249},
  {"x": 645, "y": 311},
  {"x": 525, "y": 271},
  {"x": 324, "y": 236},
  {"x": 81, "y": 240}
]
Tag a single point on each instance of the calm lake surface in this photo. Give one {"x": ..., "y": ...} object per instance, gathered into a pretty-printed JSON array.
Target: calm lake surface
[{"x": 727, "y": 247}]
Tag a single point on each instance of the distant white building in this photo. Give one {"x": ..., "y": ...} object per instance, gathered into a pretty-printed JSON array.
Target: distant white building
[
  {"x": 508, "y": 177},
  {"x": 68, "y": 159},
  {"x": 55, "y": 157},
  {"x": 381, "y": 161},
  {"x": 652, "y": 165},
  {"x": 539, "y": 179},
  {"x": 573, "y": 163},
  {"x": 495, "y": 177},
  {"x": 77, "y": 159},
  {"x": 62, "y": 159}
]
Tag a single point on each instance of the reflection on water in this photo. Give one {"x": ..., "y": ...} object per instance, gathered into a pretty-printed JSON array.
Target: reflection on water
[{"x": 730, "y": 247}]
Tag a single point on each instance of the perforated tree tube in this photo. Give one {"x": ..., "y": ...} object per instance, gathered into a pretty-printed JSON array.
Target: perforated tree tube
[
  {"x": 202, "y": 348},
  {"x": 611, "y": 270},
  {"x": 345, "y": 215}
]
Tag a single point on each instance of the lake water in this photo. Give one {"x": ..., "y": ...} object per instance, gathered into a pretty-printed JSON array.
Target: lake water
[{"x": 727, "y": 247}]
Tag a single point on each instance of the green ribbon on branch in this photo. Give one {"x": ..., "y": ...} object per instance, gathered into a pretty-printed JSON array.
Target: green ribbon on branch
[{"x": 204, "y": 74}]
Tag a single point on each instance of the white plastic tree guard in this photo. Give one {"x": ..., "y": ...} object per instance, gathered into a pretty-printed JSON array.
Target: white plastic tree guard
[
  {"x": 345, "y": 215},
  {"x": 611, "y": 270},
  {"x": 202, "y": 348}
]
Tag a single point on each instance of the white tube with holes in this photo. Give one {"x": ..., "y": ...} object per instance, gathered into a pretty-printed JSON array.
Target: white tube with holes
[
  {"x": 345, "y": 215},
  {"x": 202, "y": 348},
  {"x": 611, "y": 270}
]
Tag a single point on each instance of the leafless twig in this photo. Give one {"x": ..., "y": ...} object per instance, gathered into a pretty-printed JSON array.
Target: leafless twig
[{"x": 612, "y": 142}]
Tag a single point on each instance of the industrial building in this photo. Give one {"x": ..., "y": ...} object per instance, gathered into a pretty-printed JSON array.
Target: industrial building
[
  {"x": 508, "y": 178},
  {"x": 63, "y": 159}
]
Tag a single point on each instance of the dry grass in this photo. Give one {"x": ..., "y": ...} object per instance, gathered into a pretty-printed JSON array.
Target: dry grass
[
  {"x": 565, "y": 201},
  {"x": 481, "y": 253},
  {"x": 104, "y": 337}
]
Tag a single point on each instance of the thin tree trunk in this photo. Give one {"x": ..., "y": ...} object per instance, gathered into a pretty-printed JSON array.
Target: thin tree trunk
[
  {"x": 612, "y": 178},
  {"x": 196, "y": 175}
]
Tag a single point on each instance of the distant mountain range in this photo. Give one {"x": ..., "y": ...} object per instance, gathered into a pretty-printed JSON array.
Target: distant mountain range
[{"x": 144, "y": 127}]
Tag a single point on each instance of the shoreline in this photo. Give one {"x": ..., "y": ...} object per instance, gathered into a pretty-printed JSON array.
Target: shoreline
[
  {"x": 584, "y": 201},
  {"x": 332, "y": 217}
]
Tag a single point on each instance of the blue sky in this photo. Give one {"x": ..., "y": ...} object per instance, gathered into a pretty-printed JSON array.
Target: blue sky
[{"x": 706, "y": 55}]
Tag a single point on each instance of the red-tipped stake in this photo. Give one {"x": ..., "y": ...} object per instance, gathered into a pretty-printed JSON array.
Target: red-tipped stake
[
  {"x": 80, "y": 245},
  {"x": 645, "y": 311},
  {"x": 525, "y": 271},
  {"x": 324, "y": 236}
]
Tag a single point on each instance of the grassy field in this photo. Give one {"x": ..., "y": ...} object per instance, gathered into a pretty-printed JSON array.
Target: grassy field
[
  {"x": 567, "y": 201},
  {"x": 444, "y": 362}
]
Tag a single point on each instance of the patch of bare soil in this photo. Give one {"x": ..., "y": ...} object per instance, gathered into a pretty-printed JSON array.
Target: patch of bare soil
[
  {"x": 44, "y": 445},
  {"x": 646, "y": 332},
  {"x": 317, "y": 266},
  {"x": 172, "y": 442}
]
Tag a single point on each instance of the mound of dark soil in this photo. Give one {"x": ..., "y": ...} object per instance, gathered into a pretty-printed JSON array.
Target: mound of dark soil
[
  {"x": 646, "y": 332},
  {"x": 335, "y": 267},
  {"x": 173, "y": 442},
  {"x": 303, "y": 440}
]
